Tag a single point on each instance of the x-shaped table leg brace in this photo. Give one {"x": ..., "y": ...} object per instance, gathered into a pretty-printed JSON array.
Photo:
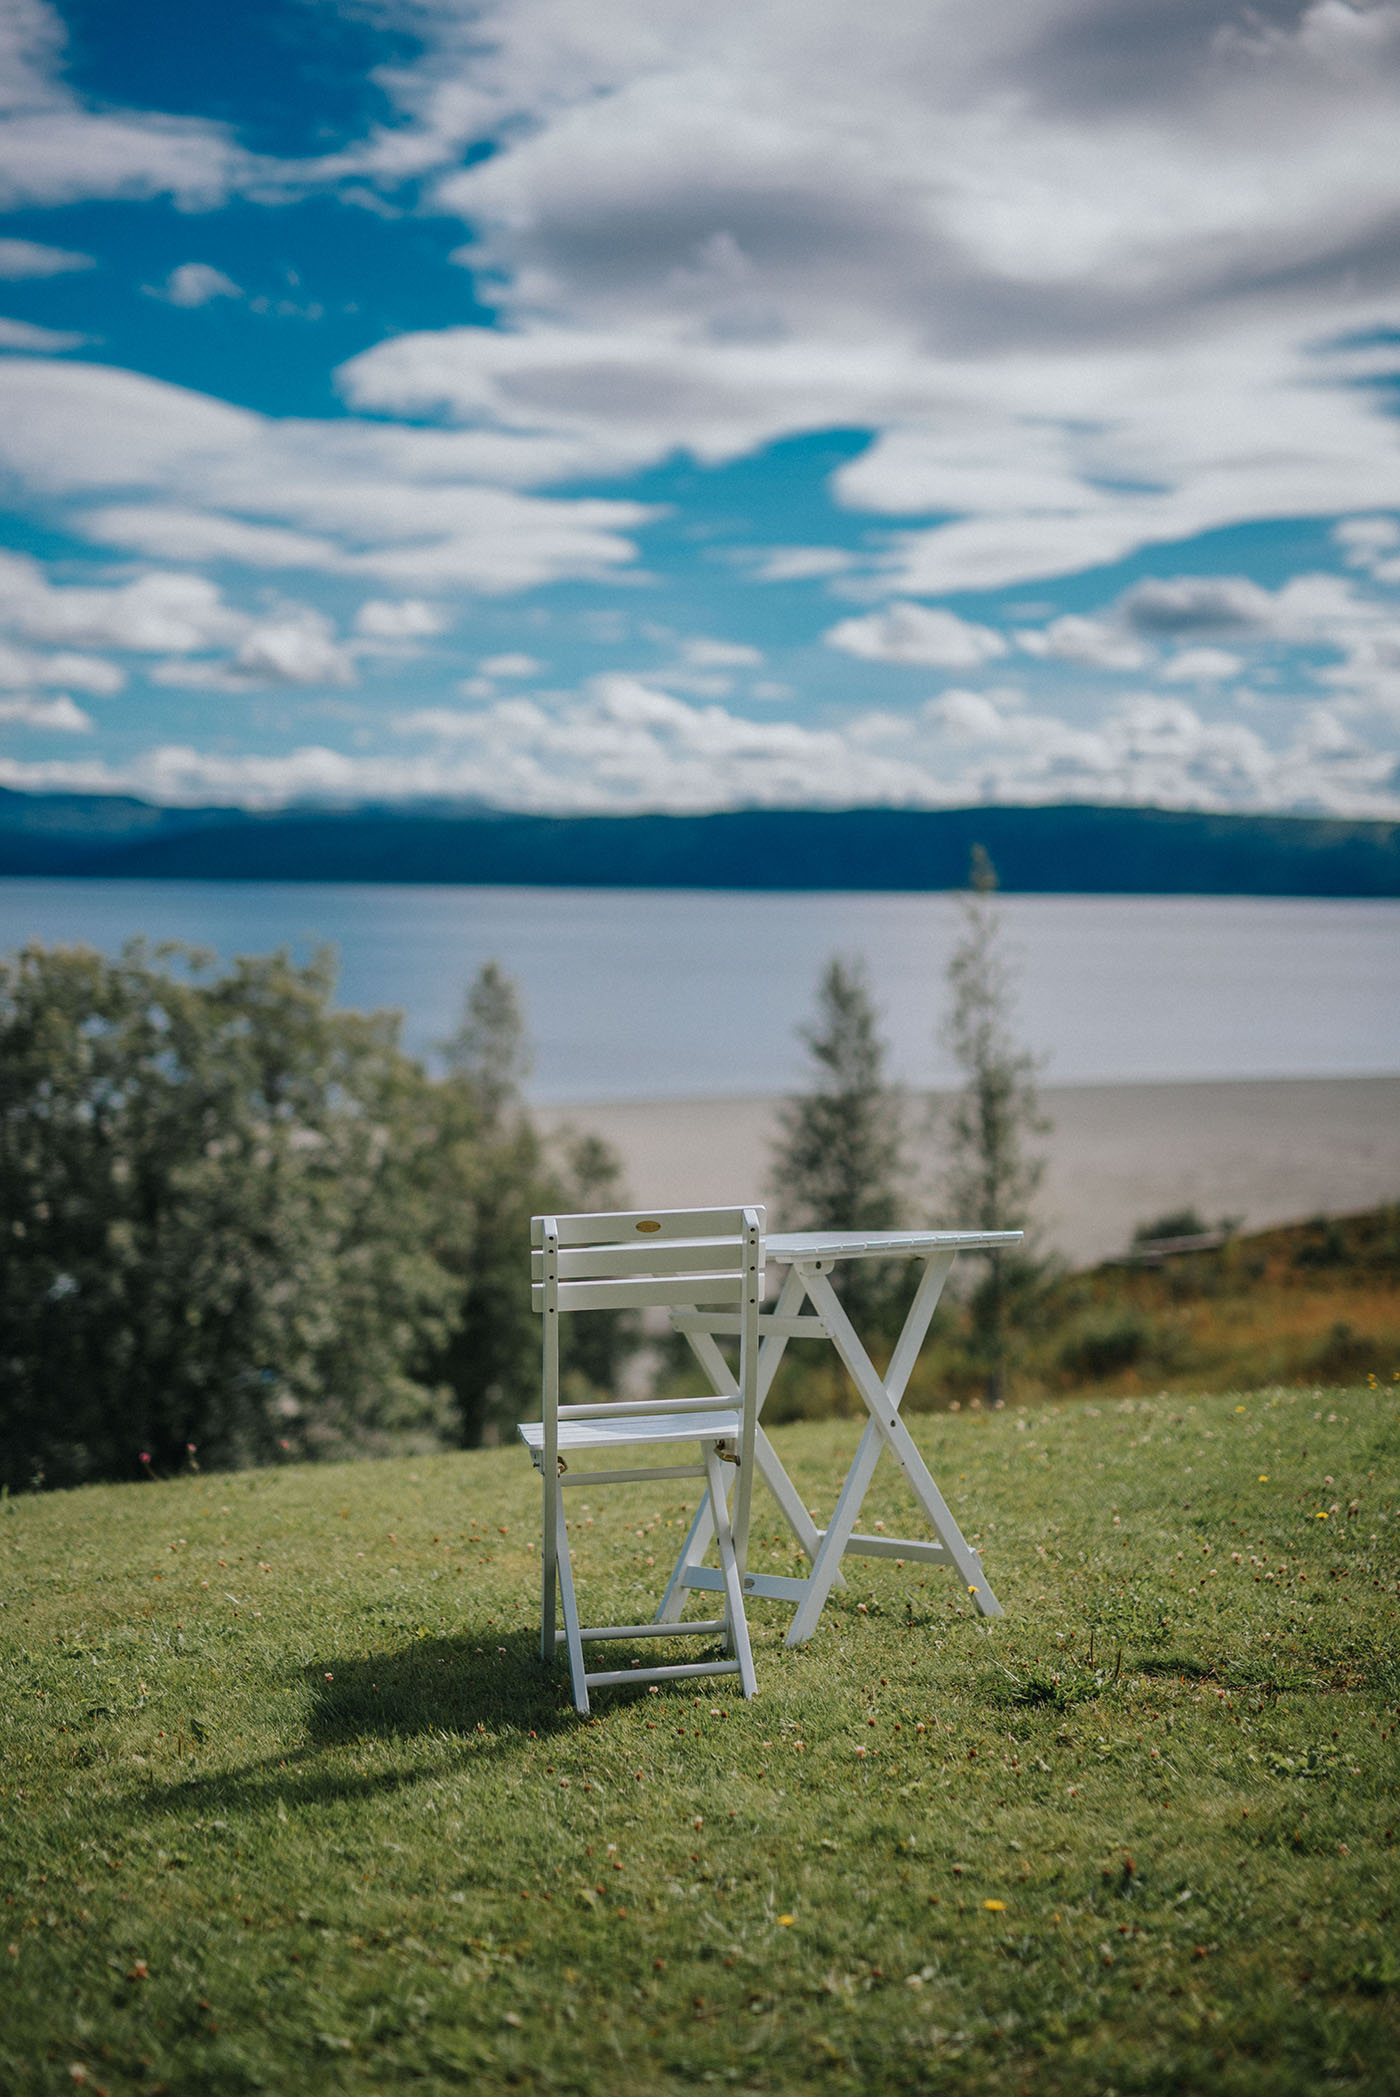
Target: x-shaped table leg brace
[
  {"x": 884, "y": 1430},
  {"x": 771, "y": 1350}
]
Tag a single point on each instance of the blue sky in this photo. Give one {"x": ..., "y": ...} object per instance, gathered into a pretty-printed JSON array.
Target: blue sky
[{"x": 669, "y": 407}]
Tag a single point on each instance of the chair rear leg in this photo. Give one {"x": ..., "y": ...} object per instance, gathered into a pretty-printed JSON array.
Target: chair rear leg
[
  {"x": 736, "y": 1622},
  {"x": 548, "y": 1578}
]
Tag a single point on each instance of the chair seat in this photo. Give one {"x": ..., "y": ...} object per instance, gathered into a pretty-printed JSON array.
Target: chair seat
[{"x": 634, "y": 1428}]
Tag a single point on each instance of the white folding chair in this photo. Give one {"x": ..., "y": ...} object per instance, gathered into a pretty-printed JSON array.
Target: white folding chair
[{"x": 710, "y": 1257}]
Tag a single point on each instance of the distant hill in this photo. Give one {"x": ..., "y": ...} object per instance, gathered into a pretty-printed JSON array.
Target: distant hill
[{"x": 1057, "y": 850}]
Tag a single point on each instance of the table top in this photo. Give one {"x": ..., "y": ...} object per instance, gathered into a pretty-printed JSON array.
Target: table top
[{"x": 790, "y": 1246}]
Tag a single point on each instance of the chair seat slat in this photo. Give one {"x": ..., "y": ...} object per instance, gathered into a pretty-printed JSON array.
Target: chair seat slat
[{"x": 634, "y": 1431}]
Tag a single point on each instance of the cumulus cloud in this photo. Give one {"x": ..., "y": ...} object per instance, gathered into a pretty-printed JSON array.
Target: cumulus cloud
[
  {"x": 917, "y": 634},
  {"x": 1372, "y": 543},
  {"x": 624, "y": 743},
  {"x": 85, "y": 673},
  {"x": 1091, "y": 643},
  {"x": 152, "y": 614},
  {"x": 297, "y": 647},
  {"x": 58, "y": 716},
  {"x": 184, "y": 617},
  {"x": 406, "y": 619},
  {"x": 1202, "y": 666},
  {"x": 195, "y": 284},
  {"x": 29, "y": 258}
]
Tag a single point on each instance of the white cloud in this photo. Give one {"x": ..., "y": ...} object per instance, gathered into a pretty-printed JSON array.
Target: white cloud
[
  {"x": 1176, "y": 607},
  {"x": 402, "y": 506},
  {"x": 1098, "y": 284},
  {"x": 1085, "y": 641},
  {"x": 195, "y": 284},
  {"x": 917, "y": 634},
  {"x": 1202, "y": 666},
  {"x": 624, "y": 744},
  {"x": 706, "y": 654},
  {"x": 802, "y": 563},
  {"x": 511, "y": 664},
  {"x": 968, "y": 716},
  {"x": 297, "y": 647},
  {"x": 407, "y": 619},
  {"x": 167, "y": 532},
  {"x": 1372, "y": 543},
  {"x": 171, "y": 615},
  {"x": 28, "y": 258},
  {"x": 1098, "y": 278},
  {"x": 55, "y": 150},
  {"x": 85, "y": 673},
  {"x": 25, "y": 335},
  {"x": 58, "y": 715},
  {"x": 153, "y": 614}
]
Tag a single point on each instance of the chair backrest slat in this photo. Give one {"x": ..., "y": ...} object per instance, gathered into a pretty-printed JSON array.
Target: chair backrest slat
[
  {"x": 629, "y": 1293},
  {"x": 642, "y": 1226},
  {"x": 674, "y": 1256}
]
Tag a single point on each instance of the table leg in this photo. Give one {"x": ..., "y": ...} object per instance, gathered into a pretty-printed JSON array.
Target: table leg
[
  {"x": 770, "y": 1470},
  {"x": 885, "y": 1429}
]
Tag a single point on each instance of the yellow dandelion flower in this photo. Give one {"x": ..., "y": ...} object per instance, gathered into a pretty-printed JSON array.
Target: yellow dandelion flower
[{"x": 995, "y": 1907}]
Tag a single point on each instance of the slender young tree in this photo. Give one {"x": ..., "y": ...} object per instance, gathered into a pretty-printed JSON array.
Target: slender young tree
[
  {"x": 992, "y": 1172},
  {"x": 839, "y": 1160},
  {"x": 496, "y": 1172}
]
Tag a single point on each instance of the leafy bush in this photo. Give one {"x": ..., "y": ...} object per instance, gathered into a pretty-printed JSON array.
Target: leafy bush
[
  {"x": 212, "y": 1234},
  {"x": 1105, "y": 1340}
]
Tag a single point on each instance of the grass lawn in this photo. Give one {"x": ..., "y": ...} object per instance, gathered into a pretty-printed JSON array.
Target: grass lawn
[{"x": 290, "y": 1804}]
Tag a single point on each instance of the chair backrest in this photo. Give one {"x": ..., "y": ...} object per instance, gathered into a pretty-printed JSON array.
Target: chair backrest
[
  {"x": 628, "y": 1259},
  {"x": 636, "y": 1258}
]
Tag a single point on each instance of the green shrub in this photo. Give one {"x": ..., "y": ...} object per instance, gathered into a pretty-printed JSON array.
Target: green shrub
[{"x": 1105, "y": 1340}]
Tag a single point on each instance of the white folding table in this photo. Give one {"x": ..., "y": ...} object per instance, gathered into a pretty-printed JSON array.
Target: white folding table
[{"x": 807, "y": 1307}]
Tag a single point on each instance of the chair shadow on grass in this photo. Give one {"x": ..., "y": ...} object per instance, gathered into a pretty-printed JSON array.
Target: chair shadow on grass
[
  {"x": 439, "y": 1687},
  {"x": 445, "y": 1692}
]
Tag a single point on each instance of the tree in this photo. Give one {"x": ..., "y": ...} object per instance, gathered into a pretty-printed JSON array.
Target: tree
[
  {"x": 991, "y": 1175},
  {"x": 210, "y": 1230},
  {"x": 494, "y": 1172},
  {"x": 839, "y": 1160}
]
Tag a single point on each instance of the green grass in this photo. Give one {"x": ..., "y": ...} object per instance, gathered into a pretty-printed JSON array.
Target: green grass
[{"x": 289, "y": 1803}]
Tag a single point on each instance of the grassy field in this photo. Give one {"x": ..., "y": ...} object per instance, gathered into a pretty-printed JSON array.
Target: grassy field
[{"x": 289, "y": 1803}]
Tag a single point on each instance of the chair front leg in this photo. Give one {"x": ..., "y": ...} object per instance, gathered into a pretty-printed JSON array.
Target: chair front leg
[
  {"x": 570, "y": 1608},
  {"x": 736, "y": 1622}
]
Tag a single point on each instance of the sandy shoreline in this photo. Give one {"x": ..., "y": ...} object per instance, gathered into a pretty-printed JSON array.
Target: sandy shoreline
[{"x": 1269, "y": 1150}]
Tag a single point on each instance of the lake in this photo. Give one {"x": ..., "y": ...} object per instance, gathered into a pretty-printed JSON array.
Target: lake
[{"x": 636, "y": 994}]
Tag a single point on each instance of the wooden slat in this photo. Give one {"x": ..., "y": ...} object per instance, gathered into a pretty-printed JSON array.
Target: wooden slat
[
  {"x": 613, "y": 1678},
  {"x": 634, "y": 1225},
  {"x": 644, "y": 1475},
  {"x": 769, "y": 1587},
  {"x": 730, "y": 1323},
  {"x": 693, "y": 1627},
  {"x": 675, "y": 1256},
  {"x": 915, "y": 1549},
  {"x": 646, "y": 1408},
  {"x": 627, "y": 1294}
]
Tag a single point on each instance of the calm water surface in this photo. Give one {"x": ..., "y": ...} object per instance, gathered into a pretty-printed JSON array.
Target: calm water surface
[{"x": 636, "y": 994}]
